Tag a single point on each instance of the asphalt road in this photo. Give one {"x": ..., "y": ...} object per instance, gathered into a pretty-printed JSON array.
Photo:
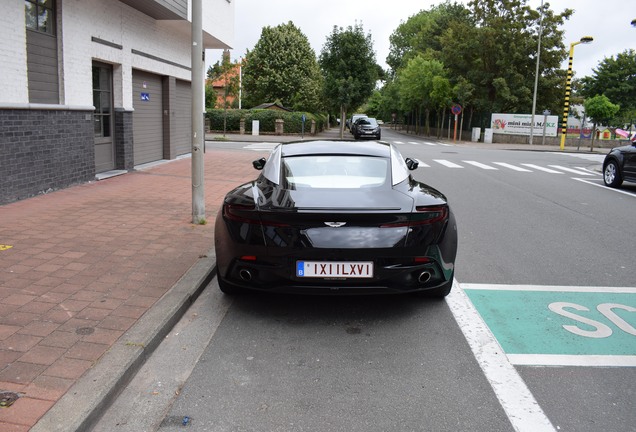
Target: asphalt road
[{"x": 536, "y": 335}]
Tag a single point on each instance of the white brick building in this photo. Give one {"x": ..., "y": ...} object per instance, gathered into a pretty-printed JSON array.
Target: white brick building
[{"x": 90, "y": 86}]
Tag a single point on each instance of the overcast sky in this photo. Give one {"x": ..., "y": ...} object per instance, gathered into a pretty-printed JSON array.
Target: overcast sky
[{"x": 608, "y": 21}]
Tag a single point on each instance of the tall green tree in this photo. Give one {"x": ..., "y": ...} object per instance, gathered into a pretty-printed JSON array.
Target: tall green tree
[
  {"x": 423, "y": 86},
  {"x": 283, "y": 66},
  {"x": 489, "y": 49},
  {"x": 506, "y": 32},
  {"x": 424, "y": 33},
  {"x": 615, "y": 77},
  {"x": 349, "y": 68},
  {"x": 600, "y": 110}
]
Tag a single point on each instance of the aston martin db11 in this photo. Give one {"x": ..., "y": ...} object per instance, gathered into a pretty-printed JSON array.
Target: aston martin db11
[{"x": 327, "y": 217}]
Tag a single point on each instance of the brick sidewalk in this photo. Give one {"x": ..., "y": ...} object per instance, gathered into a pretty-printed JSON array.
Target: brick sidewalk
[{"x": 85, "y": 263}]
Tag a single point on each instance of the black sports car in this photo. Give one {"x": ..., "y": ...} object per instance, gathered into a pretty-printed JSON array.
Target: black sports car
[
  {"x": 328, "y": 217},
  {"x": 619, "y": 165}
]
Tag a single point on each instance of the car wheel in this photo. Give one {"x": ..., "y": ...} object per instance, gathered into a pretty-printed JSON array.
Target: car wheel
[
  {"x": 611, "y": 175},
  {"x": 228, "y": 289}
]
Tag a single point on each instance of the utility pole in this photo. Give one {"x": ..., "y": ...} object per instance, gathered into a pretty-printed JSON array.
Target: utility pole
[
  {"x": 536, "y": 76},
  {"x": 198, "y": 137}
]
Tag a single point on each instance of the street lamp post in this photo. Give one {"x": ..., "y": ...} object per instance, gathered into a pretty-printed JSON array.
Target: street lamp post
[
  {"x": 568, "y": 80},
  {"x": 536, "y": 76}
]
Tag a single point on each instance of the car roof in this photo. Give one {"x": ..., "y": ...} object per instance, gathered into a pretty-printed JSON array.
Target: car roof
[{"x": 370, "y": 148}]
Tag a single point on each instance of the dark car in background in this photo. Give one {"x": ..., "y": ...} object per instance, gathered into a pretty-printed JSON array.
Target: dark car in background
[
  {"x": 353, "y": 120},
  {"x": 327, "y": 217},
  {"x": 620, "y": 165},
  {"x": 367, "y": 127}
]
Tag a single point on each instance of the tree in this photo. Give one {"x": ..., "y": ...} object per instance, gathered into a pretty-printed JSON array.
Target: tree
[
  {"x": 615, "y": 77},
  {"x": 489, "y": 50},
  {"x": 600, "y": 110},
  {"x": 423, "y": 33},
  {"x": 423, "y": 85},
  {"x": 349, "y": 68},
  {"x": 226, "y": 74},
  {"x": 282, "y": 66}
]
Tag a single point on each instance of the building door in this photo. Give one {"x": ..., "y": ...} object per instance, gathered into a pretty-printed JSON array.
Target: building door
[
  {"x": 147, "y": 117},
  {"x": 103, "y": 116}
]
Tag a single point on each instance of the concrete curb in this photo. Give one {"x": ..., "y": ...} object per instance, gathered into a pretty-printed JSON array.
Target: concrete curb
[{"x": 81, "y": 407}]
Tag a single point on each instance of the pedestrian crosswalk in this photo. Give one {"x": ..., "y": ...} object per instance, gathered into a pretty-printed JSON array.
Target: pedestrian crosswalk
[
  {"x": 461, "y": 164},
  {"x": 506, "y": 166}
]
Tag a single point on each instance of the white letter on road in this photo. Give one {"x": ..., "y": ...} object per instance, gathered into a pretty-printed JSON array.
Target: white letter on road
[
  {"x": 602, "y": 331},
  {"x": 606, "y": 309}
]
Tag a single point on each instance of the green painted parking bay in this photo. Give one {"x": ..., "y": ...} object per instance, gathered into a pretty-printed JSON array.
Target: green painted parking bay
[{"x": 560, "y": 325}]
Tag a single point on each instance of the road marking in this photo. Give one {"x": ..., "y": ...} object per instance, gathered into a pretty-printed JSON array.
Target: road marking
[
  {"x": 481, "y": 165},
  {"x": 605, "y": 187},
  {"x": 572, "y": 360},
  {"x": 445, "y": 145},
  {"x": 447, "y": 164},
  {"x": 560, "y": 325},
  {"x": 5, "y": 247},
  {"x": 512, "y": 167},
  {"x": 522, "y": 409},
  {"x": 414, "y": 143},
  {"x": 398, "y": 142},
  {"x": 588, "y": 170},
  {"x": 261, "y": 146},
  {"x": 421, "y": 164},
  {"x": 570, "y": 170},
  {"x": 540, "y": 168},
  {"x": 550, "y": 288}
]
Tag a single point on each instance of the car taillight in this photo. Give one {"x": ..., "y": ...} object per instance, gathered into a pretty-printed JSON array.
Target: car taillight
[
  {"x": 247, "y": 214},
  {"x": 429, "y": 214},
  {"x": 240, "y": 213},
  {"x": 425, "y": 215}
]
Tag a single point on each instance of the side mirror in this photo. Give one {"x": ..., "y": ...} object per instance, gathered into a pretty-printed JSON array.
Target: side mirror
[
  {"x": 259, "y": 164},
  {"x": 411, "y": 164}
]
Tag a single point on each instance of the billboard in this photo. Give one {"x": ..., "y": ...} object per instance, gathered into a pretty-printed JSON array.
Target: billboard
[{"x": 519, "y": 124}]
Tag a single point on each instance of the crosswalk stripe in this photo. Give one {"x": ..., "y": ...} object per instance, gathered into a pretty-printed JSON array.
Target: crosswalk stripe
[
  {"x": 398, "y": 142},
  {"x": 512, "y": 167},
  {"x": 481, "y": 165},
  {"x": 589, "y": 171},
  {"x": 448, "y": 164},
  {"x": 429, "y": 143},
  {"x": 540, "y": 168},
  {"x": 570, "y": 170},
  {"x": 422, "y": 164},
  {"x": 414, "y": 143}
]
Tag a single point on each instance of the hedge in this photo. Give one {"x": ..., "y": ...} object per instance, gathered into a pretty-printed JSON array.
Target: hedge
[{"x": 267, "y": 120}]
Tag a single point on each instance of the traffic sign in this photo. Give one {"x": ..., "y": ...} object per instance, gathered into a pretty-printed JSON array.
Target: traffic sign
[{"x": 456, "y": 109}]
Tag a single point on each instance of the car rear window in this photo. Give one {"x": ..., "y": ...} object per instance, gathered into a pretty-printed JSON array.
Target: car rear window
[{"x": 334, "y": 172}]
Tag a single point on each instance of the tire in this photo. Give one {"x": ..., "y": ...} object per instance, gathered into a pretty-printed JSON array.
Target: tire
[{"x": 612, "y": 175}]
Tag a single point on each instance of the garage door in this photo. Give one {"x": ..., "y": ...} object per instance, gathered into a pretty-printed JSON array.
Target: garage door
[
  {"x": 183, "y": 114},
  {"x": 147, "y": 117}
]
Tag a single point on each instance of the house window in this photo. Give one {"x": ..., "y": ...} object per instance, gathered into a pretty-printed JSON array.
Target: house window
[{"x": 40, "y": 16}]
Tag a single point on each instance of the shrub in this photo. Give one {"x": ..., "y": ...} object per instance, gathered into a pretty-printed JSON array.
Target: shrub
[{"x": 267, "y": 120}]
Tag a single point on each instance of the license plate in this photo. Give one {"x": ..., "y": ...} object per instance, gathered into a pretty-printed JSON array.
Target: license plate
[{"x": 334, "y": 269}]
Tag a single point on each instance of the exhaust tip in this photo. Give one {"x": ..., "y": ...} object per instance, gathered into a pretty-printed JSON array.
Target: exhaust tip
[
  {"x": 246, "y": 275},
  {"x": 424, "y": 277}
]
